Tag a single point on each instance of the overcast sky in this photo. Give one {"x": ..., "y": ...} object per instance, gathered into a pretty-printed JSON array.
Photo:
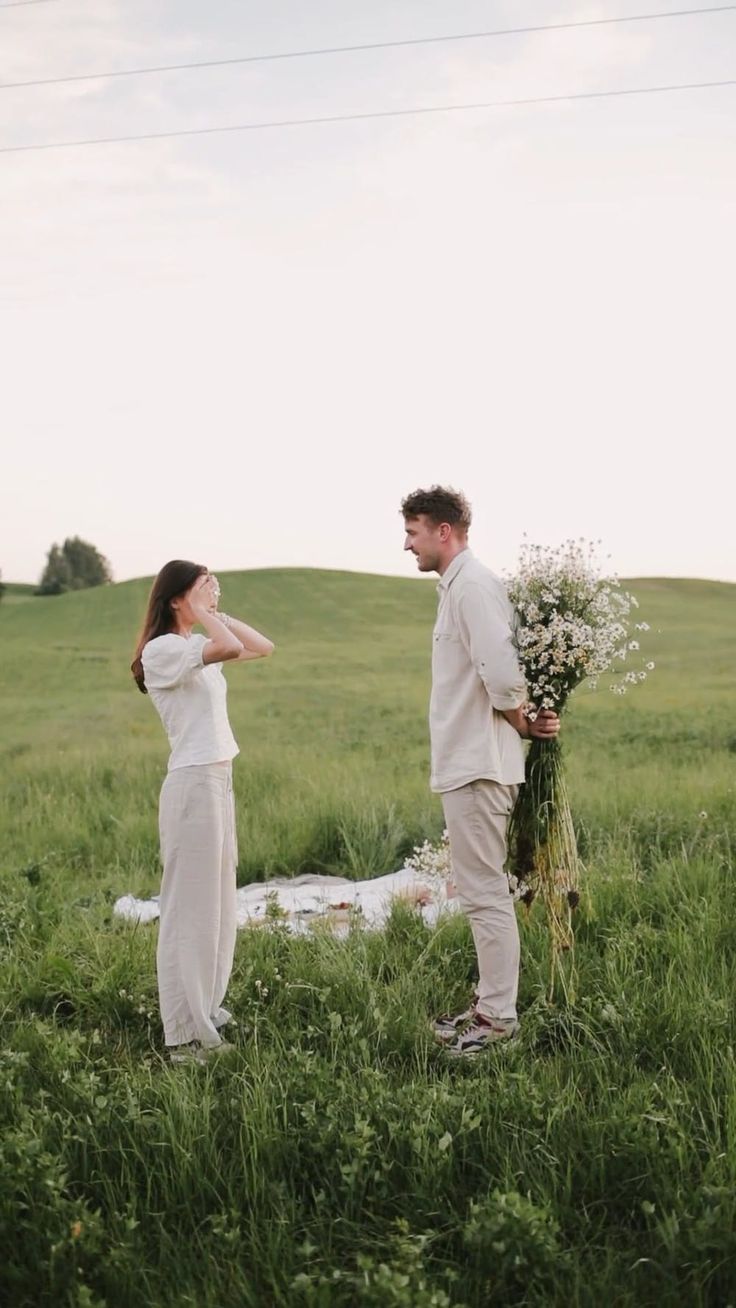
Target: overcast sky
[{"x": 246, "y": 348}]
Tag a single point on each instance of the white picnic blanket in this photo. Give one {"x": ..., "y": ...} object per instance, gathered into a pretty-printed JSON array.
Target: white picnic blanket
[{"x": 301, "y": 901}]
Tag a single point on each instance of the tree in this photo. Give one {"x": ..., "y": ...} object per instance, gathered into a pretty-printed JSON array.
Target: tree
[
  {"x": 56, "y": 575},
  {"x": 75, "y": 566},
  {"x": 2, "y": 586}
]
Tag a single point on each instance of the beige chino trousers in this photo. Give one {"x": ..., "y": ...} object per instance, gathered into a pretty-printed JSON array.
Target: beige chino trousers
[
  {"x": 196, "y": 941},
  {"x": 477, "y": 818}
]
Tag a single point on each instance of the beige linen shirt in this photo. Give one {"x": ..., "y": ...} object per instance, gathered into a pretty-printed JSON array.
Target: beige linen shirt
[{"x": 475, "y": 674}]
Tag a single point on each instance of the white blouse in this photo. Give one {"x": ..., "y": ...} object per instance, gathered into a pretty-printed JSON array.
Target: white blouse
[{"x": 191, "y": 699}]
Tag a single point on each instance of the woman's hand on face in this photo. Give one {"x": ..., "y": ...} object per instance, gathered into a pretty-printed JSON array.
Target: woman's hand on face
[{"x": 201, "y": 596}]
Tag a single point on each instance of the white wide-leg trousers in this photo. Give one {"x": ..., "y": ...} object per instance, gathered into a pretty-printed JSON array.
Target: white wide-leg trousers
[
  {"x": 477, "y": 817},
  {"x": 197, "y": 927}
]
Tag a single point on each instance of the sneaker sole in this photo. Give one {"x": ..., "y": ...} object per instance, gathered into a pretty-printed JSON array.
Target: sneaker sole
[{"x": 482, "y": 1049}]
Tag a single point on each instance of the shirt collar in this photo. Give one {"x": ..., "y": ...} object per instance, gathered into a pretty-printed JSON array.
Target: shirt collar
[{"x": 451, "y": 572}]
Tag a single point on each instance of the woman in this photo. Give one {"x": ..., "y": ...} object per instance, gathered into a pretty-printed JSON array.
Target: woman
[{"x": 182, "y": 673}]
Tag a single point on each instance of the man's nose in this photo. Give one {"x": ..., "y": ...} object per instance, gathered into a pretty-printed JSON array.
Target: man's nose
[{"x": 407, "y": 542}]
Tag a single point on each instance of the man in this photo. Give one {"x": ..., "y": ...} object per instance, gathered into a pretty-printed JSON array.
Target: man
[{"x": 477, "y": 724}]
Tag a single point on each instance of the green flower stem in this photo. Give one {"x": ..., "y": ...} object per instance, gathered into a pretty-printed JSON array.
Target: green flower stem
[{"x": 544, "y": 853}]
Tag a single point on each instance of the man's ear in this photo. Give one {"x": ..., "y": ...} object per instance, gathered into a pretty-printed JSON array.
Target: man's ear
[{"x": 445, "y": 530}]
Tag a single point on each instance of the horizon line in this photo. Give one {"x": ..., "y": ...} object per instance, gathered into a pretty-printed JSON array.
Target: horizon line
[{"x": 354, "y": 572}]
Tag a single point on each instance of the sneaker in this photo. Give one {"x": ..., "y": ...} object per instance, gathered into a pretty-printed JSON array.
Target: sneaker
[
  {"x": 481, "y": 1033},
  {"x": 191, "y": 1053},
  {"x": 447, "y": 1027},
  {"x": 197, "y": 1053},
  {"x": 216, "y": 1051}
]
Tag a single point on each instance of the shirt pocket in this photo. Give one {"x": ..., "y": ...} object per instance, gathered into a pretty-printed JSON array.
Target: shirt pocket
[{"x": 449, "y": 661}]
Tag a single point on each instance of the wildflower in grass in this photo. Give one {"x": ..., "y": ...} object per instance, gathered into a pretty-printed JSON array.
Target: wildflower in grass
[
  {"x": 432, "y": 863},
  {"x": 573, "y": 625}
]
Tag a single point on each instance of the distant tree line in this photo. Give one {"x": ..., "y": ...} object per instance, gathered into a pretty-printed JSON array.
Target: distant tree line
[{"x": 75, "y": 565}]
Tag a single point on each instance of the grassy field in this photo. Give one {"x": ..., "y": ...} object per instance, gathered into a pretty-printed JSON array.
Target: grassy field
[{"x": 336, "y": 1158}]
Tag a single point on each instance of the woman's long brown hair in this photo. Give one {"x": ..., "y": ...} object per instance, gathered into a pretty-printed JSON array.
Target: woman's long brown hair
[{"x": 173, "y": 580}]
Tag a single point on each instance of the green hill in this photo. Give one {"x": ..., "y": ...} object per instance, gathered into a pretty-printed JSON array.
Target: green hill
[
  {"x": 67, "y": 657},
  {"x": 334, "y": 725},
  {"x": 342, "y": 635},
  {"x": 16, "y": 592}
]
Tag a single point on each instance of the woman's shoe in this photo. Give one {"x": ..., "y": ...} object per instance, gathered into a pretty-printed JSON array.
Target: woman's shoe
[{"x": 194, "y": 1052}]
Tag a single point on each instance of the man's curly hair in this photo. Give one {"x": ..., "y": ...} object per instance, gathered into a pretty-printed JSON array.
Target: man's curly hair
[{"x": 439, "y": 504}]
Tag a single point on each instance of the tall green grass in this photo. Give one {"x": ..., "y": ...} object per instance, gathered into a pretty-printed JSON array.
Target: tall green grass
[{"x": 336, "y": 1157}]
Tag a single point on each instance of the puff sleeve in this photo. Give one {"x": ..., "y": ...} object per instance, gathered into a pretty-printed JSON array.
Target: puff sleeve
[{"x": 171, "y": 660}]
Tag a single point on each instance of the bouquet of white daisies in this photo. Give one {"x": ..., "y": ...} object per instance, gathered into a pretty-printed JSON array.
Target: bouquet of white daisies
[{"x": 573, "y": 625}]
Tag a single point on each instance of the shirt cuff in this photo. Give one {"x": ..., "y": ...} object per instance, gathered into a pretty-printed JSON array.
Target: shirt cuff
[{"x": 510, "y": 701}]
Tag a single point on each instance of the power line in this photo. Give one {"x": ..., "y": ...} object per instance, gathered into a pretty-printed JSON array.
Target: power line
[
  {"x": 364, "y": 117},
  {"x": 350, "y": 49},
  {"x": 19, "y": 4}
]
